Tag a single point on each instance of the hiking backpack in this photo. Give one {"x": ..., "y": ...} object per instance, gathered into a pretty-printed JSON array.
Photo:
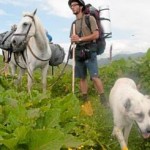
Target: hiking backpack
[{"x": 101, "y": 43}]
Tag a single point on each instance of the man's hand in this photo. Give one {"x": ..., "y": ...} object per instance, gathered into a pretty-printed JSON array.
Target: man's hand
[{"x": 75, "y": 38}]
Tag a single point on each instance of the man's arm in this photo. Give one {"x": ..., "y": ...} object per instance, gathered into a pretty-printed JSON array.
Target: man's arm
[{"x": 91, "y": 37}]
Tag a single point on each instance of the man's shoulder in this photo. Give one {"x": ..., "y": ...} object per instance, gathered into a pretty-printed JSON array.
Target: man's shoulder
[
  {"x": 89, "y": 19},
  {"x": 89, "y": 16}
]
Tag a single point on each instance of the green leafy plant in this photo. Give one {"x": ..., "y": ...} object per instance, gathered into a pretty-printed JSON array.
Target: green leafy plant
[{"x": 55, "y": 121}]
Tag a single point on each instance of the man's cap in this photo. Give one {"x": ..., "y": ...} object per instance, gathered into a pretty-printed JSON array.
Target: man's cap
[{"x": 80, "y": 2}]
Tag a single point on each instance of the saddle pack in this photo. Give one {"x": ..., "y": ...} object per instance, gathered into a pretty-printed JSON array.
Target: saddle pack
[
  {"x": 5, "y": 40},
  {"x": 58, "y": 55}
]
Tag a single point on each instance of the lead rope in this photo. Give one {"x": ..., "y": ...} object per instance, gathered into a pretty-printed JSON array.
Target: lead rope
[
  {"x": 17, "y": 63},
  {"x": 35, "y": 55},
  {"x": 26, "y": 65},
  {"x": 63, "y": 67}
]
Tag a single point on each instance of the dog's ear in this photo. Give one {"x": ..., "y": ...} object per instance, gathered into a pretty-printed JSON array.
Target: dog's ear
[{"x": 127, "y": 105}]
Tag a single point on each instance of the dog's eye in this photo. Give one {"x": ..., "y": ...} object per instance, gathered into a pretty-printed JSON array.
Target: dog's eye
[{"x": 140, "y": 115}]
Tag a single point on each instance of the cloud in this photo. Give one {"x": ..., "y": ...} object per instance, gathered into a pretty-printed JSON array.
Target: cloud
[
  {"x": 59, "y": 8},
  {"x": 131, "y": 16},
  {"x": 19, "y": 3},
  {"x": 13, "y": 2},
  {"x": 2, "y": 12}
]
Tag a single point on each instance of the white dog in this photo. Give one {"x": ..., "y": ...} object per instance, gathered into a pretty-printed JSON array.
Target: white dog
[{"x": 129, "y": 105}]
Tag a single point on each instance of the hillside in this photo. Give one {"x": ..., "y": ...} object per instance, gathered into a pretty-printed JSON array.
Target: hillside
[{"x": 105, "y": 61}]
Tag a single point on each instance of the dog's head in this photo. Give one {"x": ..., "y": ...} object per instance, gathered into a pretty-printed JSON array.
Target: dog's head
[{"x": 139, "y": 111}]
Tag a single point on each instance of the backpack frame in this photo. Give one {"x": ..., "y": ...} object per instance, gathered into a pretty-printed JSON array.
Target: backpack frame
[{"x": 101, "y": 43}]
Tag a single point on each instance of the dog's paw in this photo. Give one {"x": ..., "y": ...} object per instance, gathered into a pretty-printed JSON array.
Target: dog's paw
[{"x": 125, "y": 148}]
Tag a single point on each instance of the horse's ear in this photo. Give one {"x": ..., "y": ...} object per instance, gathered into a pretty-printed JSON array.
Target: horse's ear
[{"x": 35, "y": 11}]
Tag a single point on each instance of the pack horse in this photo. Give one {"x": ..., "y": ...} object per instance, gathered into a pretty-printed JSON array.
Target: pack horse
[{"x": 30, "y": 37}]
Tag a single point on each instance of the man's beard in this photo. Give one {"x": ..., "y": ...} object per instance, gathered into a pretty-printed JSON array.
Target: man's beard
[{"x": 75, "y": 13}]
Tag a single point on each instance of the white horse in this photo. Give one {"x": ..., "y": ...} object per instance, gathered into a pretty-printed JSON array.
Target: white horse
[{"x": 31, "y": 33}]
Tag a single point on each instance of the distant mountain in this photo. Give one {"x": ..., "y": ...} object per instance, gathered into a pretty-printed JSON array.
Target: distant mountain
[{"x": 105, "y": 61}]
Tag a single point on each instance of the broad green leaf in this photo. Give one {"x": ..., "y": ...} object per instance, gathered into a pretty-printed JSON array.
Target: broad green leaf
[
  {"x": 51, "y": 139},
  {"x": 20, "y": 133},
  {"x": 46, "y": 139},
  {"x": 9, "y": 143},
  {"x": 52, "y": 118}
]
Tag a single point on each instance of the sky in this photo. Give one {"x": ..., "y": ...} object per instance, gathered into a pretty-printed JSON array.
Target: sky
[{"x": 130, "y": 23}]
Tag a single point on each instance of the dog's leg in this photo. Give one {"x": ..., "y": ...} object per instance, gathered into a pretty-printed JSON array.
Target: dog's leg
[
  {"x": 119, "y": 135},
  {"x": 127, "y": 130}
]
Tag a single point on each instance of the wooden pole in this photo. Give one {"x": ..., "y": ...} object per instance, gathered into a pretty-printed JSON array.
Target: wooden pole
[{"x": 73, "y": 62}]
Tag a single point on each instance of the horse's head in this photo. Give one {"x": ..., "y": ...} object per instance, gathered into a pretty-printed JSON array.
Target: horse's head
[{"x": 25, "y": 30}]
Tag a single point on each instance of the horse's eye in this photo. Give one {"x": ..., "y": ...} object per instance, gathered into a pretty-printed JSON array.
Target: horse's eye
[{"x": 25, "y": 24}]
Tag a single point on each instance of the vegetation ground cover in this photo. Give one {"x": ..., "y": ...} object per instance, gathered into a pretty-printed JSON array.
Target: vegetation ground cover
[{"x": 54, "y": 121}]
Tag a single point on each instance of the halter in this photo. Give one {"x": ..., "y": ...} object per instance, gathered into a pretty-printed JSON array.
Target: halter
[
  {"x": 26, "y": 41},
  {"x": 26, "y": 34}
]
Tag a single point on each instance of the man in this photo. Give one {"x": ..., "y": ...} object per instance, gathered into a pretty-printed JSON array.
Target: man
[{"x": 85, "y": 37}]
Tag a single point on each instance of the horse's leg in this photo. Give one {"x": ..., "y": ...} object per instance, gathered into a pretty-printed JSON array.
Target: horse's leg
[
  {"x": 21, "y": 73},
  {"x": 30, "y": 79},
  {"x": 13, "y": 68},
  {"x": 44, "y": 77},
  {"x": 6, "y": 69}
]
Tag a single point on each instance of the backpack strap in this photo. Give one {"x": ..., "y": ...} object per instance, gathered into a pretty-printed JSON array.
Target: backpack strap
[
  {"x": 87, "y": 21},
  {"x": 80, "y": 31}
]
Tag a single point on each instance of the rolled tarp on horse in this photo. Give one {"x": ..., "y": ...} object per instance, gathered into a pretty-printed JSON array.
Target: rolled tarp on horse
[
  {"x": 105, "y": 21},
  {"x": 58, "y": 55},
  {"x": 6, "y": 43},
  {"x": 5, "y": 40}
]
